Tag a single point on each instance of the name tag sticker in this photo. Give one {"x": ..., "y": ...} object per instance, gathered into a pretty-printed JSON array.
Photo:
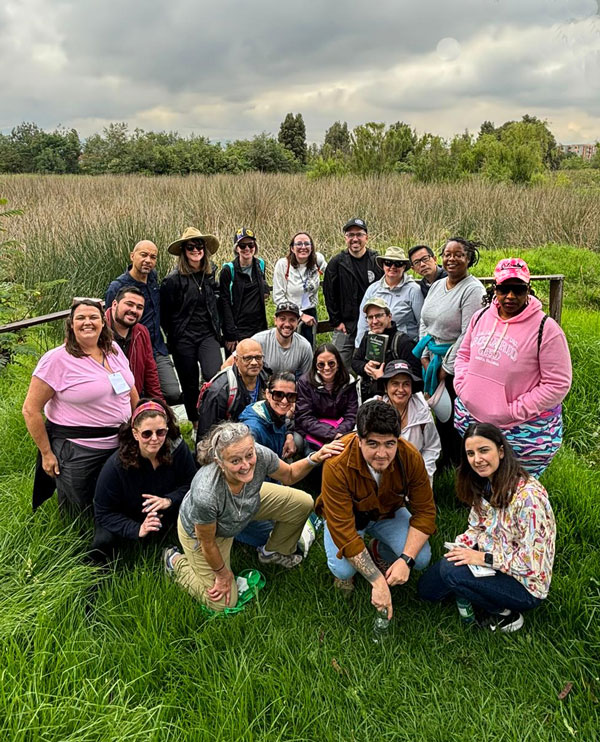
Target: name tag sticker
[
  {"x": 118, "y": 383},
  {"x": 305, "y": 304}
]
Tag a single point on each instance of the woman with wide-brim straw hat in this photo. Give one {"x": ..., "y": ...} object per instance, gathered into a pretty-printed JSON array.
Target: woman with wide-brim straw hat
[
  {"x": 399, "y": 291},
  {"x": 189, "y": 314}
]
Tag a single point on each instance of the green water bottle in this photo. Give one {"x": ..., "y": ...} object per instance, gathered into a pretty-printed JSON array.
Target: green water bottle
[{"x": 465, "y": 610}]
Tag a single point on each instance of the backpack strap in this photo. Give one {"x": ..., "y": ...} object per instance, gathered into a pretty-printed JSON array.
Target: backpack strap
[
  {"x": 540, "y": 333},
  {"x": 233, "y": 389},
  {"x": 231, "y": 271}
]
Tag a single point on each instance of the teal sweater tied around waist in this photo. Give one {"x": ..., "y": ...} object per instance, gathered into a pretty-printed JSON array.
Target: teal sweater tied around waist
[{"x": 438, "y": 351}]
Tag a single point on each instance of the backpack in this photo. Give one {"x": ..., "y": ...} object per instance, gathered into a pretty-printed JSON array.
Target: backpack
[
  {"x": 261, "y": 264},
  {"x": 540, "y": 329},
  {"x": 232, "y": 382}
]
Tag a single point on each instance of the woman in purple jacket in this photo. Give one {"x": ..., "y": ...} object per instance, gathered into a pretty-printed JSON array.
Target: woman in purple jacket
[{"x": 327, "y": 399}]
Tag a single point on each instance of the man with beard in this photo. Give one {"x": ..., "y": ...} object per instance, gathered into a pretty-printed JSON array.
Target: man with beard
[
  {"x": 283, "y": 347},
  {"x": 123, "y": 317}
]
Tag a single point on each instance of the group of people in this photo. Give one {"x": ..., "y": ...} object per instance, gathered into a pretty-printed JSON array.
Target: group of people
[{"x": 418, "y": 374}]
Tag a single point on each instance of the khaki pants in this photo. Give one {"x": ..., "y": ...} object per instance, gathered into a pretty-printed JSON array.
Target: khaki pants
[{"x": 288, "y": 507}]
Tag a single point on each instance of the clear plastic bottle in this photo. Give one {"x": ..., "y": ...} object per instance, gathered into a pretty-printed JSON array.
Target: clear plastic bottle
[
  {"x": 381, "y": 627},
  {"x": 465, "y": 610}
]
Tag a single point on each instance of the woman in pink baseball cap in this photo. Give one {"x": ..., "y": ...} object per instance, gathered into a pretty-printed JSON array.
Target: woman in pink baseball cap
[{"x": 513, "y": 369}]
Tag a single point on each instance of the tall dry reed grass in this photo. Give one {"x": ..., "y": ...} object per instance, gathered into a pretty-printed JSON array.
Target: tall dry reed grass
[{"x": 82, "y": 228}]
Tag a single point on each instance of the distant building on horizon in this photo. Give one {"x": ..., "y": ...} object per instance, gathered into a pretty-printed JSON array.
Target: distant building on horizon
[{"x": 585, "y": 151}]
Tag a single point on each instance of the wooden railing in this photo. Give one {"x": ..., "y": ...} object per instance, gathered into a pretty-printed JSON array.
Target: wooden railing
[{"x": 554, "y": 310}]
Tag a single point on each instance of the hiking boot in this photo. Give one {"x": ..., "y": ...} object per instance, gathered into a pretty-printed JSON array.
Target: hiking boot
[
  {"x": 281, "y": 560},
  {"x": 345, "y": 587},
  {"x": 380, "y": 563},
  {"x": 168, "y": 555},
  {"x": 507, "y": 621}
]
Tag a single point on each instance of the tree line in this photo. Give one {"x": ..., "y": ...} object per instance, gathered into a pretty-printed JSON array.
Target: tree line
[{"x": 518, "y": 151}]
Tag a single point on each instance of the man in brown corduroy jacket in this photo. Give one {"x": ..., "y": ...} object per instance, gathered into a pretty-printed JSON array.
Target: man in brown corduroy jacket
[{"x": 378, "y": 486}]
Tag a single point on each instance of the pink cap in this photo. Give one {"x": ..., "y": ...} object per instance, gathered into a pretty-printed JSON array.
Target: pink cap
[{"x": 511, "y": 268}]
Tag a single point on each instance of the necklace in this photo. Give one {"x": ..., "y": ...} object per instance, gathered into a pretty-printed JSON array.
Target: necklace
[
  {"x": 241, "y": 493},
  {"x": 199, "y": 285}
]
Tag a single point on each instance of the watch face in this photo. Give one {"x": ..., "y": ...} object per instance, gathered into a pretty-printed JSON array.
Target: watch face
[{"x": 489, "y": 559}]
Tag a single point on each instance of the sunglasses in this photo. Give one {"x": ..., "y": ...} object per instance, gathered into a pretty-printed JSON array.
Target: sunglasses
[
  {"x": 393, "y": 263},
  {"x": 326, "y": 364},
  {"x": 517, "y": 289},
  {"x": 279, "y": 396},
  {"x": 191, "y": 246},
  {"x": 147, "y": 434},
  {"x": 245, "y": 247}
]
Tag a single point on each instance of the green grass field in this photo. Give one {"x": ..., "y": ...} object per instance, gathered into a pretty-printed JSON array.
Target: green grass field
[{"x": 90, "y": 656}]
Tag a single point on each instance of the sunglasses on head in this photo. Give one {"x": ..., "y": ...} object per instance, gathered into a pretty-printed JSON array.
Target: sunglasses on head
[
  {"x": 519, "y": 289},
  {"x": 147, "y": 434},
  {"x": 279, "y": 396},
  {"x": 393, "y": 263}
]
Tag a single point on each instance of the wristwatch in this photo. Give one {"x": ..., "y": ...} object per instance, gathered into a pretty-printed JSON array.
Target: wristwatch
[
  {"x": 408, "y": 559},
  {"x": 489, "y": 559}
]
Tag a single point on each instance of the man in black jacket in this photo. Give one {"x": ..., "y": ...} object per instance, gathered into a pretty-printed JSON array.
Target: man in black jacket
[
  {"x": 347, "y": 277},
  {"x": 234, "y": 388},
  {"x": 423, "y": 262},
  {"x": 243, "y": 291}
]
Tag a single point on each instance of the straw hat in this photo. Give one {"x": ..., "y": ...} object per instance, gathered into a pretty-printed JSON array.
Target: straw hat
[{"x": 191, "y": 233}]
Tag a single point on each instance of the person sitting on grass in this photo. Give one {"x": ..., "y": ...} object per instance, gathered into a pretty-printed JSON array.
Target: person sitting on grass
[
  {"x": 226, "y": 494},
  {"x": 368, "y": 489},
  {"x": 511, "y": 529},
  {"x": 142, "y": 484}
]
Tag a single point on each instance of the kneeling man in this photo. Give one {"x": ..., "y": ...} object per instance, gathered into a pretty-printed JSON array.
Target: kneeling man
[{"x": 377, "y": 486}]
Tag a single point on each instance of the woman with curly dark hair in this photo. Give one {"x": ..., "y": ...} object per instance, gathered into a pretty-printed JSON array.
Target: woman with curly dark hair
[
  {"x": 446, "y": 313},
  {"x": 142, "y": 484},
  {"x": 511, "y": 533}
]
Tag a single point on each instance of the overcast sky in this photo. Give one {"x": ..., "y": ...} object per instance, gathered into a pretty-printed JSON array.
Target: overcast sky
[{"x": 232, "y": 69}]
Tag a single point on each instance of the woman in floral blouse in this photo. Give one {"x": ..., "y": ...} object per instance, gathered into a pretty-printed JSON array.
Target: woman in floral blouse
[{"x": 511, "y": 530}]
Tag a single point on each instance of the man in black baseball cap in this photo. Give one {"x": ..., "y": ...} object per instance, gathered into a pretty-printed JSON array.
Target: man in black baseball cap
[{"x": 347, "y": 277}]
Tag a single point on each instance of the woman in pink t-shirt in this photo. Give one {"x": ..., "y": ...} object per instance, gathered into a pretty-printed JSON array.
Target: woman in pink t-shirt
[{"x": 86, "y": 390}]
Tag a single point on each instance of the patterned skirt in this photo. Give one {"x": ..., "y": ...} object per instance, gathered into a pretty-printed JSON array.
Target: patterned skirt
[{"x": 534, "y": 442}]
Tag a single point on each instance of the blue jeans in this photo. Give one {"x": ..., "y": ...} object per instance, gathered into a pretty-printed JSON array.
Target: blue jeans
[
  {"x": 256, "y": 533},
  {"x": 493, "y": 594},
  {"x": 391, "y": 532}
]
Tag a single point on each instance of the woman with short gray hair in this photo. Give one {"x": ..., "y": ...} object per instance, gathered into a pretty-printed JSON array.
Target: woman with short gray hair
[{"x": 226, "y": 494}]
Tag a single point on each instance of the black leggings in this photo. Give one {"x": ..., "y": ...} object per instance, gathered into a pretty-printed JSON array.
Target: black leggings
[{"x": 207, "y": 353}]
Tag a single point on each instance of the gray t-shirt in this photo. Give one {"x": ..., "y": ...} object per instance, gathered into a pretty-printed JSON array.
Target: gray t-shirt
[
  {"x": 447, "y": 312},
  {"x": 210, "y": 499},
  {"x": 297, "y": 358}
]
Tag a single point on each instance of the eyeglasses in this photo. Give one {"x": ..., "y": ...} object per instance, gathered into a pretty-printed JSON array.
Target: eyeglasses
[
  {"x": 456, "y": 255},
  {"x": 191, "y": 246},
  {"x": 302, "y": 244},
  {"x": 393, "y": 263},
  {"x": 371, "y": 317},
  {"x": 279, "y": 396},
  {"x": 247, "y": 246},
  {"x": 147, "y": 434},
  {"x": 517, "y": 289},
  {"x": 422, "y": 261},
  {"x": 352, "y": 235},
  {"x": 248, "y": 359},
  {"x": 326, "y": 364}
]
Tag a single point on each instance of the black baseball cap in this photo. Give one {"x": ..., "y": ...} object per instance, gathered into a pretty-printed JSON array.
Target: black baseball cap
[
  {"x": 287, "y": 306},
  {"x": 360, "y": 223}
]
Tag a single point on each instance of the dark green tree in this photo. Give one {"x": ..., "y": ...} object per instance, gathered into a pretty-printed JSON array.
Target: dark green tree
[
  {"x": 292, "y": 135},
  {"x": 337, "y": 140}
]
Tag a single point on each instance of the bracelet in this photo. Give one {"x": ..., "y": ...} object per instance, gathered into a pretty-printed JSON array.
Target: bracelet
[
  {"x": 310, "y": 461},
  {"x": 220, "y": 568}
]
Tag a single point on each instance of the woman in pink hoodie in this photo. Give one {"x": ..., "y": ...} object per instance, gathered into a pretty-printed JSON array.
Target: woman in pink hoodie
[{"x": 513, "y": 369}]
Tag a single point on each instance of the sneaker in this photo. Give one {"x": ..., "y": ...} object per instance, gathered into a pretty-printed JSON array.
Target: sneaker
[
  {"x": 507, "y": 621},
  {"x": 282, "y": 560},
  {"x": 380, "y": 563},
  {"x": 345, "y": 587},
  {"x": 168, "y": 555}
]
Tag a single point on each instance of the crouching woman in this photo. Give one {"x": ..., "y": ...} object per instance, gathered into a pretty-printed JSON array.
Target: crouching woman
[
  {"x": 226, "y": 494},
  {"x": 511, "y": 529}
]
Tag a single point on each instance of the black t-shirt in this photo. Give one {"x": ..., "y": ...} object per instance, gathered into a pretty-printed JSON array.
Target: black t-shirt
[
  {"x": 361, "y": 269},
  {"x": 199, "y": 325},
  {"x": 250, "y": 319},
  {"x": 123, "y": 342}
]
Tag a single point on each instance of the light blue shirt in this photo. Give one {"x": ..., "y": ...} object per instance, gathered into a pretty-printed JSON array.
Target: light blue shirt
[{"x": 404, "y": 300}]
